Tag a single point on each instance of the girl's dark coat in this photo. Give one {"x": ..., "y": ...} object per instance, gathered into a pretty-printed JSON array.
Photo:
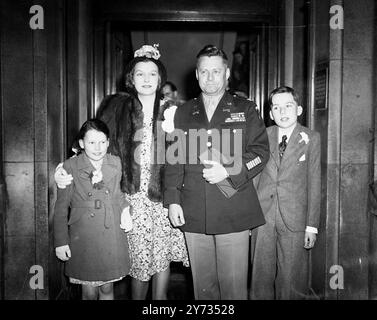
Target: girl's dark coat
[{"x": 99, "y": 248}]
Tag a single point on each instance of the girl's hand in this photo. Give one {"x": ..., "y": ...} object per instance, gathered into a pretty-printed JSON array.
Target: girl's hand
[
  {"x": 63, "y": 252},
  {"x": 126, "y": 220},
  {"x": 310, "y": 239},
  {"x": 62, "y": 178}
]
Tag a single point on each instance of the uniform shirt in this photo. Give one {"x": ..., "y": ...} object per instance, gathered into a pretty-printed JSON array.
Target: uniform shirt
[{"x": 210, "y": 104}]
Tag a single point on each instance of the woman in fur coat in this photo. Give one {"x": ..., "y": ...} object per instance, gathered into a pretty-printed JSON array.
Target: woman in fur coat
[{"x": 137, "y": 138}]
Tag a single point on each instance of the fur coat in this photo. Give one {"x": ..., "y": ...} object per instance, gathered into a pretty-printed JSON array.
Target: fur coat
[{"x": 122, "y": 112}]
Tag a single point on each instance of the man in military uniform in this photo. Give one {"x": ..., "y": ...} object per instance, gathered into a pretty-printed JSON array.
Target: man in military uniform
[{"x": 213, "y": 200}]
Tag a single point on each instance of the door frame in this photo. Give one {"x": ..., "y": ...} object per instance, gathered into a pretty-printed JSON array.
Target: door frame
[{"x": 267, "y": 59}]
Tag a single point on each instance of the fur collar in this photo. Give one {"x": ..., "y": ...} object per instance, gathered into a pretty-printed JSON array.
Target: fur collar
[{"x": 124, "y": 116}]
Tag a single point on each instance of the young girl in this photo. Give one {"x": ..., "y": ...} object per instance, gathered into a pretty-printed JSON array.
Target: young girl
[
  {"x": 133, "y": 119},
  {"x": 91, "y": 241}
]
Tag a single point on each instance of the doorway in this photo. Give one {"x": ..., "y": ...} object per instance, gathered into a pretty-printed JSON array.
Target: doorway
[{"x": 245, "y": 43}]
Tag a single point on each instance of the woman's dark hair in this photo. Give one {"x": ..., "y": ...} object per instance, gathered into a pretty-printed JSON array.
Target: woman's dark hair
[
  {"x": 130, "y": 88},
  {"x": 91, "y": 124},
  {"x": 284, "y": 89},
  {"x": 130, "y": 68}
]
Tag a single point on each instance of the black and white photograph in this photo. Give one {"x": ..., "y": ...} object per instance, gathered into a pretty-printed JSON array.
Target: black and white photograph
[{"x": 197, "y": 153}]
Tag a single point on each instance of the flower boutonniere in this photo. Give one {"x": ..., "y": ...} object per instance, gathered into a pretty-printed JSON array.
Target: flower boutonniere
[
  {"x": 96, "y": 178},
  {"x": 168, "y": 123},
  {"x": 304, "y": 137},
  {"x": 164, "y": 101}
]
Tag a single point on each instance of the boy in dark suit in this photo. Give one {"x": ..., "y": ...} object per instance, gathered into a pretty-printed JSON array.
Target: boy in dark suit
[{"x": 289, "y": 191}]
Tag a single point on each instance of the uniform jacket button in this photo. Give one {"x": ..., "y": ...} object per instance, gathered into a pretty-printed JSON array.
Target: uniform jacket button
[
  {"x": 89, "y": 194},
  {"x": 107, "y": 192},
  {"x": 92, "y": 214}
]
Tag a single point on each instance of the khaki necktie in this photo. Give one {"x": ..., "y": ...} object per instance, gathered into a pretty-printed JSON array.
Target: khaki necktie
[{"x": 210, "y": 108}]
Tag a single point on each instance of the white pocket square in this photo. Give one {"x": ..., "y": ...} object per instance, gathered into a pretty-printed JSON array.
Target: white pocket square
[{"x": 302, "y": 158}]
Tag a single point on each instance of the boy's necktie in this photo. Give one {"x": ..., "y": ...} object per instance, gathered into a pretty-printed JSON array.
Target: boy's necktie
[{"x": 282, "y": 146}]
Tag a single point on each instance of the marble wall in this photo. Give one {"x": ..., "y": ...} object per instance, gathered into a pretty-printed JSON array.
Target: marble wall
[
  {"x": 45, "y": 96},
  {"x": 347, "y": 130}
]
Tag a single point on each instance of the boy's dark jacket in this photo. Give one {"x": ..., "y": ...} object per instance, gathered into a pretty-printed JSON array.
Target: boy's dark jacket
[
  {"x": 294, "y": 182},
  {"x": 122, "y": 112}
]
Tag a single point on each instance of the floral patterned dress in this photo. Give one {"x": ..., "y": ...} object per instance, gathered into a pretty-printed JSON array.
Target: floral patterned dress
[{"x": 153, "y": 242}]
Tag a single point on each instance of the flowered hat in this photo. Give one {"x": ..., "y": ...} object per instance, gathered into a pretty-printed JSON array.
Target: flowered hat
[
  {"x": 148, "y": 51},
  {"x": 145, "y": 53}
]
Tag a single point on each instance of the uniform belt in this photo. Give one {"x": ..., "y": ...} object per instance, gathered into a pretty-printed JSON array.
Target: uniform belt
[{"x": 97, "y": 204}]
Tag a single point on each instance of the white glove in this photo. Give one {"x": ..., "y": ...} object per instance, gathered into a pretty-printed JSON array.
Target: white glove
[
  {"x": 63, "y": 252},
  {"x": 62, "y": 178},
  {"x": 126, "y": 220}
]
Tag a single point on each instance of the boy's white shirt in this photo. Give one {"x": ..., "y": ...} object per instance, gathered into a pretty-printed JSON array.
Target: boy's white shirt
[{"x": 288, "y": 133}]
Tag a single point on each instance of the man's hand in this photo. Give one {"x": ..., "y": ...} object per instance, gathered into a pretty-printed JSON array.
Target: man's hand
[
  {"x": 63, "y": 252},
  {"x": 126, "y": 220},
  {"x": 176, "y": 215},
  {"x": 62, "y": 178},
  {"x": 214, "y": 174},
  {"x": 310, "y": 239}
]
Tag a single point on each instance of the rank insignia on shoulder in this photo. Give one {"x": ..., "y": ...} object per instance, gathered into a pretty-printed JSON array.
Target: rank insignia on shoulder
[{"x": 253, "y": 163}]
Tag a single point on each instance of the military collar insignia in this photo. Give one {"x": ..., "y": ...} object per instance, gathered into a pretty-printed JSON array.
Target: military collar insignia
[
  {"x": 195, "y": 110},
  {"x": 228, "y": 106}
]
